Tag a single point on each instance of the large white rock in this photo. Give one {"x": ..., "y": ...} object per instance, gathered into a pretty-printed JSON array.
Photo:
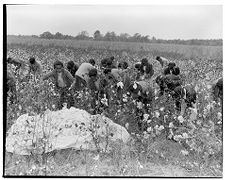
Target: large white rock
[{"x": 67, "y": 128}]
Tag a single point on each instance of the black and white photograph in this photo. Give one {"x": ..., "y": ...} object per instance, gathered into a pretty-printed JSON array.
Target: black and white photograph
[{"x": 113, "y": 90}]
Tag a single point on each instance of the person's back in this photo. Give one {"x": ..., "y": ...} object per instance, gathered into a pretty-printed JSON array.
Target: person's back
[
  {"x": 163, "y": 61},
  {"x": 217, "y": 90},
  {"x": 83, "y": 70},
  {"x": 11, "y": 86},
  {"x": 34, "y": 66},
  {"x": 172, "y": 81}
]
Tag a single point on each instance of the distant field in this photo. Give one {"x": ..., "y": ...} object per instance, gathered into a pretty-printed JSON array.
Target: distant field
[{"x": 185, "y": 51}]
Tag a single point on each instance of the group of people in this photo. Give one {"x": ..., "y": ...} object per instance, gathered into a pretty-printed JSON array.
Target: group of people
[{"x": 75, "y": 78}]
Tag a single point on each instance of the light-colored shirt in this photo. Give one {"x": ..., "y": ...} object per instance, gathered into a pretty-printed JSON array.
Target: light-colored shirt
[
  {"x": 84, "y": 70},
  {"x": 117, "y": 74},
  {"x": 164, "y": 62},
  {"x": 61, "y": 82}
]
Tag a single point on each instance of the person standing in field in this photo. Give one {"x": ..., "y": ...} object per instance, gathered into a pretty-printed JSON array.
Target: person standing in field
[
  {"x": 217, "y": 91},
  {"x": 82, "y": 76},
  {"x": 171, "y": 69},
  {"x": 17, "y": 63},
  {"x": 34, "y": 68},
  {"x": 63, "y": 81},
  {"x": 184, "y": 96},
  {"x": 163, "y": 61},
  {"x": 11, "y": 87},
  {"x": 146, "y": 69},
  {"x": 97, "y": 86},
  {"x": 72, "y": 67}
]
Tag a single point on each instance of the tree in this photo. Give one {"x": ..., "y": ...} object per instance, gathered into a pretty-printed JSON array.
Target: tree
[
  {"x": 97, "y": 35},
  {"x": 47, "y": 35},
  {"x": 83, "y": 35},
  {"x": 124, "y": 37},
  {"x": 110, "y": 36},
  {"x": 58, "y": 35}
]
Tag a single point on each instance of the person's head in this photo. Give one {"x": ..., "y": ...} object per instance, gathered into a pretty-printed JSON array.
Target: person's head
[
  {"x": 32, "y": 60},
  {"x": 120, "y": 65},
  {"x": 171, "y": 65},
  {"x": 217, "y": 90},
  {"x": 144, "y": 61},
  {"x": 92, "y": 62},
  {"x": 157, "y": 58},
  {"x": 109, "y": 62},
  {"x": 176, "y": 71},
  {"x": 58, "y": 66},
  {"x": 104, "y": 62},
  {"x": 137, "y": 66},
  {"x": 70, "y": 65},
  {"x": 125, "y": 65},
  {"x": 112, "y": 58},
  {"x": 9, "y": 59}
]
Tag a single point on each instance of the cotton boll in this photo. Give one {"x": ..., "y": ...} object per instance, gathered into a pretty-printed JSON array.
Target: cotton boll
[
  {"x": 219, "y": 115},
  {"x": 149, "y": 129},
  {"x": 194, "y": 114},
  {"x": 157, "y": 114},
  {"x": 185, "y": 135},
  {"x": 181, "y": 119}
]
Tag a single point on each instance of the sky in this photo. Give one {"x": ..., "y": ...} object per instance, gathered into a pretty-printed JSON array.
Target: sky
[{"x": 160, "y": 21}]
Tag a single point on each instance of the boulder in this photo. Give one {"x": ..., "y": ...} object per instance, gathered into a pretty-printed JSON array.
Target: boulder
[{"x": 66, "y": 128}]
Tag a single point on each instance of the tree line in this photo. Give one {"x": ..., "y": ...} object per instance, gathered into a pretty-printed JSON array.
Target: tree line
[{"x": 125, "y": 37}]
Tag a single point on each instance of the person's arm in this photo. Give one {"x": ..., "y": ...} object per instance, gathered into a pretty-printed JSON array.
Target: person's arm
[
  {"x": 48, "y": 75},
  {"x": 39, "y": 69},
  {"x": 70, "y": 77}
]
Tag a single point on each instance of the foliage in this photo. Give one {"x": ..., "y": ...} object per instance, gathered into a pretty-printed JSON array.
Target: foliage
[{"x": 200, "y": 137}]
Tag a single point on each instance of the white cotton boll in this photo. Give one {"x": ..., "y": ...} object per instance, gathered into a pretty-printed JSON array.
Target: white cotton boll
[
  {"x": 181, "y": 119},
  {"x": 208, "y": 107},
  {"x": 157, "y": 114},
  {"x": 161, "y": 127},
  {"x": 53, "y": 106},
  {"x": 149, "y": 129},
  {"x": 219, "y": 115},
  {"x": 146, "y": 116},
  {"x": 171, "y": 125},
  {"x": 135, "y": 86},
  {"x": 139, "y": 105},
  {"x": 127, "y": 125},
  {"x": 64, "y": 105},
  {"x": 149, "y": 121},
  {"x": 208, "y": 86},
  {"x": 124, "y": 99},
  {"x": 177, "y": 137},
  {"x": 120, "y": 84},
  {"x": 184, "y": 152},
  {"x": 185, "y": 135},
  {"x": 96, "y": 157},
  {"x": 20, "y": 107}
]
